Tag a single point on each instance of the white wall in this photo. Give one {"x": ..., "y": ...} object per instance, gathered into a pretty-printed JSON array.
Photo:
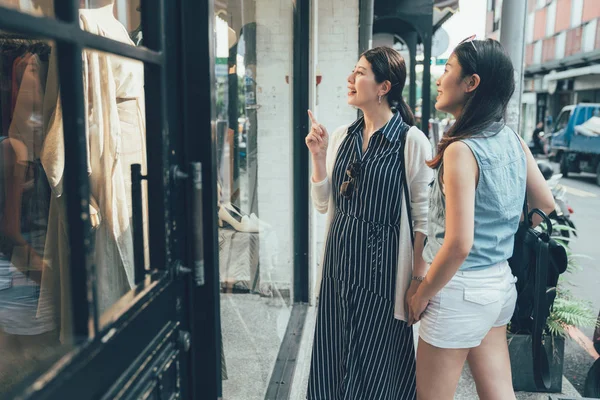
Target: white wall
[
  {"x": 274, "y": 45},
  {"x": 335, "y": 52}
]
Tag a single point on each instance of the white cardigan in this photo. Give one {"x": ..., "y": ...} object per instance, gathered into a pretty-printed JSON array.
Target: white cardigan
[{"x": 417, "y": 151}]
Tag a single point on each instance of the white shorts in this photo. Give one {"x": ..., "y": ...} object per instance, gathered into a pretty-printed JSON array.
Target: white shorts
[{"x": 471, "y": 304}]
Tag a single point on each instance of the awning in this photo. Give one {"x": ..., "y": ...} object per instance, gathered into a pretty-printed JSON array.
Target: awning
[
  {"x": 442, "y": 11},
  {"x": 573, "y": 73}
]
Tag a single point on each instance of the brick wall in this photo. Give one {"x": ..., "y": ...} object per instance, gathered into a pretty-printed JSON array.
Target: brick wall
[
  {"x": 337, "y": 53},
  {"x": 274, "y": 44}
]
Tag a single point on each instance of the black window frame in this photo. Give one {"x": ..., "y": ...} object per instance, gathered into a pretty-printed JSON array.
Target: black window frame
[
  {"x": 74, "y": 374},
  {"x": 183, "y": 46}
]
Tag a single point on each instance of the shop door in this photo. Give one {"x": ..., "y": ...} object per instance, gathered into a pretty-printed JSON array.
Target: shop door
[{"x": 102, "y": 229}]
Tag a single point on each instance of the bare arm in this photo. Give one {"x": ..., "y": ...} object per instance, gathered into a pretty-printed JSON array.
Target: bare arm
[
  {"x": 419, "y": 265},
  {"x": 460, "y": 181}
]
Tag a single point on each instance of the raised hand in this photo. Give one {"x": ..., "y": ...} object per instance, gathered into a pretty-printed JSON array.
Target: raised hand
[{"x": 317, "y": 139}]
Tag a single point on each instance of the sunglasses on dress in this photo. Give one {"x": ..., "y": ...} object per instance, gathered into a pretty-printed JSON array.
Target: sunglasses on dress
[{"x": 349, "y": 186}]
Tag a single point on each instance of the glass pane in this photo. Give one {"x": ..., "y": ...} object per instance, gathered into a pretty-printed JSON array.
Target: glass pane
[
  {"x": 110, "y": 18},
  {"x": 35, "y": 319},
  {"x": 115, "y": 19},
  {"x": 116, "y": 126},
  {"x": 253, "y": 67},
  {"x": 42, "y": 8},
  {"x": 563, "y": 120}
]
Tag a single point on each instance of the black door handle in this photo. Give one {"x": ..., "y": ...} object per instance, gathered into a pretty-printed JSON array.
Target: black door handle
[{"x": 139, "y": 269}]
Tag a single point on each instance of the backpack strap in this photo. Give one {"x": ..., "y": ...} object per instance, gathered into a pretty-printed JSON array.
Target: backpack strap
[
  {"x": 406, "y": 128},
  {"x": 541, "y": 370}
]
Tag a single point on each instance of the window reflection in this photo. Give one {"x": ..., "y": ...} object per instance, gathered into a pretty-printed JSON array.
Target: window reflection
[
  {"x": 29, "y": 330},
  {"x": 125, "y": 12},
  {"x": 253, "y": 133},
  {"x": 36, "y": 322}
]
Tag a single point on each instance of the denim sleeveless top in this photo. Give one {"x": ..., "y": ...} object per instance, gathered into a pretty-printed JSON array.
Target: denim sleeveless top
[{"x": 499, "y": 199}]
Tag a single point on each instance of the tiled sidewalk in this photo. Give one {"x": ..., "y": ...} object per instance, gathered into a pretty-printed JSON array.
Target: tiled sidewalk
[{"x": 466, "y": 386}]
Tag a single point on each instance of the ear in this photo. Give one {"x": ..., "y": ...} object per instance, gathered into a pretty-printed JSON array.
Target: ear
[
  {"x": 473, "y": 82},
  {"x": 385, "y": 87}
]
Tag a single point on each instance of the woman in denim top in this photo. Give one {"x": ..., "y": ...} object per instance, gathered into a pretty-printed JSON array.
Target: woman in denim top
[{"x": 482, "y": 171}]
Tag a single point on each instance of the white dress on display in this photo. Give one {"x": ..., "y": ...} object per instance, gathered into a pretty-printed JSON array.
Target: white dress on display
[{"x": 116, "y": 138}]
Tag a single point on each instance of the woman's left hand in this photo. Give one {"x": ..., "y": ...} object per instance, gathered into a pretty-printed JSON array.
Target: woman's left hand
[
  {"x": 414, "y": 286},
  {"x": 416, "y": 308}
]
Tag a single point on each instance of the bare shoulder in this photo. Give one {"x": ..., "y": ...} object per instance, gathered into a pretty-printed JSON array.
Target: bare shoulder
[
  {"x": 457, "y": 150},
  {"x": 459, "y": 154}
]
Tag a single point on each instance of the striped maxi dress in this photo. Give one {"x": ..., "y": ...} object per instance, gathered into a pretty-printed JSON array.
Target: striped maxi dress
[{"x": 360, "y": 350}]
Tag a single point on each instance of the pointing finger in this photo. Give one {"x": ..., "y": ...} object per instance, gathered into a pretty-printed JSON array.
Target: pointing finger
[{"x": 312, "y": 118}]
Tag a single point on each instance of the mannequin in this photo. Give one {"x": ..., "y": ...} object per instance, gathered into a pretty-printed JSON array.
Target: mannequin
[
  {"x": 115, "y": 135},
  {"x": 137, "y": 36}
]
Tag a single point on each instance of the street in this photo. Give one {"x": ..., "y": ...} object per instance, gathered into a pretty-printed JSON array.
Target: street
[{"x": 584, "y": 197}]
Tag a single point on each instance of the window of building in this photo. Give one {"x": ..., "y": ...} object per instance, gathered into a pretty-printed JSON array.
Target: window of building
[
  {"x": 550, "y": 19},
  {"x": 588, "y": 40},
  {"x": 537, "y": 52},
  {"x": 529, "y": 29},
  {"x": 560, "y": 43},
  {"x": 576, "y": 13}
]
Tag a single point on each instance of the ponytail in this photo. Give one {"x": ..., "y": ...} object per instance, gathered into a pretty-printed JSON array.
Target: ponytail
[
  {"x": 388, "y": 65},
  {"x": 405, "y": 112}
]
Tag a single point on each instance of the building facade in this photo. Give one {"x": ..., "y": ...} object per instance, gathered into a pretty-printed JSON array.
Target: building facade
[{"x": 562, "y": 56}]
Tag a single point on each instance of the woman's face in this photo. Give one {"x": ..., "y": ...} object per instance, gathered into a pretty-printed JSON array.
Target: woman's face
[
  {"x": 452, "y": 88},
  {"x": 363, "y": 89}
]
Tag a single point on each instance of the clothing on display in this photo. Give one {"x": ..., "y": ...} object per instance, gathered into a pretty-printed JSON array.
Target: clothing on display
[
  {"x": 24, "y": 190},
  {"x": 115, "y": 137}
]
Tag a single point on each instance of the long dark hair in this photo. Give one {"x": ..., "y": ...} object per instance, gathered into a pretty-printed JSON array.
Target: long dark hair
[
  {"x": 488, "y": 102},
  {"x": 388, "y": 65}
]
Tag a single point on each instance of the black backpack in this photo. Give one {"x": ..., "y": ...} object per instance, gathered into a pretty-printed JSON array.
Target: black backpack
[{"x": 537, "y": 262}]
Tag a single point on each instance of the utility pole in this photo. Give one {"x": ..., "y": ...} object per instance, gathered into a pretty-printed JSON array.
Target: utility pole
[{"x": 512, "y": 37}]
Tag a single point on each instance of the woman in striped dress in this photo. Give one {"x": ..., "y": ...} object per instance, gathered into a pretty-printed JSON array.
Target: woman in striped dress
[{"x": 363, "y": 348}]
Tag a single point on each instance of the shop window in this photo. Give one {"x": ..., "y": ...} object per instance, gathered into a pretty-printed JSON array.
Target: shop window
[
  {"x": 36, "y": 320},
  {"x": 29, "y": 329},
  {"x": 40, "y": 8},
  {"x": 253, "y": 49}
]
